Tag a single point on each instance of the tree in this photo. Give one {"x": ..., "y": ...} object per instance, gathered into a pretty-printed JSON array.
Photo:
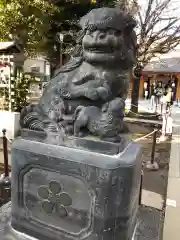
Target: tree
[
  {"x": 29, "y": 23},
  {"x": 35, "y": 24},
  {"x": 158, "y": 32},
  {"x": 20, "y": 96}
]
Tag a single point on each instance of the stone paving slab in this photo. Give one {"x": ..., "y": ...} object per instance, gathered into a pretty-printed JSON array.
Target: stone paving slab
[
  {"x": 173, "y": 194},
  {"x": 172, "y": 212},
  {"x": 152, "y": 199},
  {"x": 174, "y": 165},
  {"x": 171, "y": 224}
]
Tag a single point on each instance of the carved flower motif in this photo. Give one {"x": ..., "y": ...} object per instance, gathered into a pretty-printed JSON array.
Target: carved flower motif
[{"x": 53, "y": 199}]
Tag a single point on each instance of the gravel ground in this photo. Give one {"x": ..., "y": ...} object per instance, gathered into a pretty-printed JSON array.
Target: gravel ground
[
  {"x": 148, "y": 228},
  {"x": 156, "y": 181},
  {"x": 149, "y": 224},
  {"x": 5, "y": 213}
]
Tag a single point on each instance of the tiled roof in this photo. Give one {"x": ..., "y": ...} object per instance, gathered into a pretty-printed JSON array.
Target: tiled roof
[
  {"x": 5, "y": 45},
  {"x": 10, "y": 47},
  {"x": 170, "y": 65}
]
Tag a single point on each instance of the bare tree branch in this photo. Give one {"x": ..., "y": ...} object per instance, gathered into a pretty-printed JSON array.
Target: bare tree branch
[
  {"x": 159, "y": 8},
  {"x": 158, "y": 32},
  {"x": 148, "y": 11}
]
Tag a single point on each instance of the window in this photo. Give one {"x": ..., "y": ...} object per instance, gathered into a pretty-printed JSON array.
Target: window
[{"x": 35, "y": 69}]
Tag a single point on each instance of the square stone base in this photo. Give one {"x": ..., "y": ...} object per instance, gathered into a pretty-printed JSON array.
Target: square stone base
[{"x": 61, "y": 192}]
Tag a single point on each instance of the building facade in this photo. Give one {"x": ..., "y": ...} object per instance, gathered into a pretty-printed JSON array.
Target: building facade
[{"x": 163, "y": 70}]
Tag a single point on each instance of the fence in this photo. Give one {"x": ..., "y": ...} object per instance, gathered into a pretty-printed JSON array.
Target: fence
[{"x": 5, "y": 181}]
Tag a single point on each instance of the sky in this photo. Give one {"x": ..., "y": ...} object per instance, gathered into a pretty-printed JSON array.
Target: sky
[{"x": 173, "y": 10}]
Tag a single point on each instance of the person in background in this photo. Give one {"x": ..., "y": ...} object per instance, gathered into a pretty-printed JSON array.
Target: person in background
[
  {"x": 146, "y": 92},
  {"x": 166, "y": 112},
  {"x": 173, "y": 86},
  {"x": 159, "y": 92},
  {"x": 152, "y": 101},
  {"x": 167, "y": 98}
]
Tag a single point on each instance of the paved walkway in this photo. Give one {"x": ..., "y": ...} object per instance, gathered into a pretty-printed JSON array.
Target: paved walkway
[
  {"x": 172, "y": 211},
  {"x": 144, "y": 105},
  {"x": 172, "y": 216}
]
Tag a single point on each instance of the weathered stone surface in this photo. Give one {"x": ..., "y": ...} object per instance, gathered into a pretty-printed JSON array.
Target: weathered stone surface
[
  {"x": 98, "y": 77},
  {"x": 149, "y": 226},
  {"x": 77, "y": 191}
]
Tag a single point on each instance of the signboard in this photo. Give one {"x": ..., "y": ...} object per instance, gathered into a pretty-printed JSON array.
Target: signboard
[
  {"x": 35, "y": 90},
  {"x": 4, "y": 85}
]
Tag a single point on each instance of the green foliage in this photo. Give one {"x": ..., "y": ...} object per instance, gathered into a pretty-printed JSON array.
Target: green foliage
[
  {"x": 21, "y": 91},
  {"x": 35, "y": 23},
  {"x": 28, "y": 22},
  {"x": 4, "y": 99},
  {"x": 20, "y": 96}
]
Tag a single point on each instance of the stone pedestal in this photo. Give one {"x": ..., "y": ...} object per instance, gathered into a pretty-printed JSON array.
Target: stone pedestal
[{"x": 88, "y": 191}]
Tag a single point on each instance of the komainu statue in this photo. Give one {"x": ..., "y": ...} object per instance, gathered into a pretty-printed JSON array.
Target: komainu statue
[{"x": 86, "y": 96}]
